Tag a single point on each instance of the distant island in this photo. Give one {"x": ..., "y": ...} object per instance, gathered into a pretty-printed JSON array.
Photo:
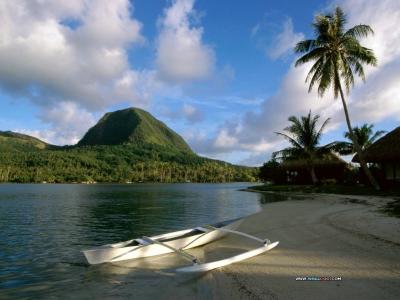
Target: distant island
[{"x": 128, "y": 145}]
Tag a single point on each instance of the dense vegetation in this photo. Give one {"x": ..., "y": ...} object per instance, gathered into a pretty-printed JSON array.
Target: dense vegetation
[
  {"x": 133, "y": 126},
  {"x": 304, "y": 138},
  {"x": 118, "y": 163}
]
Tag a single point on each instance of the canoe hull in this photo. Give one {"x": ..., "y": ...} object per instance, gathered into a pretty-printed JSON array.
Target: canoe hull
[{"x": 119, "y": 251}]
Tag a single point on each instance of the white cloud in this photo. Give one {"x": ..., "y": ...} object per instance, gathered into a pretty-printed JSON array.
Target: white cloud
[
  {"x": 277, "y": 41},
  {"x": 68, "y": 123},
  {"x": 224, "y": 140},
  {"x": 383, "y": 17},
  {"x": 284, "y": 42},
  {"x": 139, "y": 87},
  {"x": 188, "y": 112},
  {"x": 44, "y": 58},
  {"x": 181, "y": 54},
  {"x": 192, "y": 114}
]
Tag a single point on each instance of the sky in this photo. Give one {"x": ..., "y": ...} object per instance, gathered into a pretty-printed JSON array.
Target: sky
[{"x": 220, "y": 73}]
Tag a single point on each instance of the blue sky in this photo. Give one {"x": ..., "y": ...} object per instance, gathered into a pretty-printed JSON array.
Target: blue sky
[{"x": 220, "y": 73}]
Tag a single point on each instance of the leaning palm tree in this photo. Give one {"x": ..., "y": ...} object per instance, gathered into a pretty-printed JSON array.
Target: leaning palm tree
[
  {"x": 304, "y": 137},
  {"x": 338, "y": 56},
  {"x": 365, "y": 136}
]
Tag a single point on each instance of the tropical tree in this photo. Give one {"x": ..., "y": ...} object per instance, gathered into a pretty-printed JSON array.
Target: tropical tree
[
  {"x": 338, "y": 56},
  {"x": 365, "y": 136},
  {"x": 304, "y": 137}
]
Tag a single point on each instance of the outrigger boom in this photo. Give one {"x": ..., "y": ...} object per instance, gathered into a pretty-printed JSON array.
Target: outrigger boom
[
  {"x": 178, "y": 242},
  {"x": 177, "y": 251}
]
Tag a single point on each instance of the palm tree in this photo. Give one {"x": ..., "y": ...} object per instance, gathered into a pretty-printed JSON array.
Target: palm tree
[
  {"x": 365, "y": 136},
  {"x": 304, "y": 138},
  {"x": 338, "y": 56}
]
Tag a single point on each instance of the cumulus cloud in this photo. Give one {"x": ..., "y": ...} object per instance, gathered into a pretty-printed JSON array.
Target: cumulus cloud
[
  {"x": 75, "y": 50},
  {"x": 190, "y": 113},
  {"x": 181, "y": 54},
  {"x": 284, "y": 42},
  {"x": 375, "y": 101},
  {"x": 68, "y": 123},
  {"x": 284, "y": 38},
  {"x": 139, "y": 87}
]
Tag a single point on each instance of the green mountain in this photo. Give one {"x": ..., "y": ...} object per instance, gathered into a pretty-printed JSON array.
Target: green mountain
[
  {"x": 20, "y": 142},
  {"x": 128, "y": 145},
  {"x": 133, "y": 126}
]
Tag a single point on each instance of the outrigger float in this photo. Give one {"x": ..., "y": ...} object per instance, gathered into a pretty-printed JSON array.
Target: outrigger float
[{"x": 177, "y": 242}]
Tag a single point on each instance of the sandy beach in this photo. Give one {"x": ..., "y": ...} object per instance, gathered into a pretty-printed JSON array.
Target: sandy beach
[{"x": 320, "y": 235}]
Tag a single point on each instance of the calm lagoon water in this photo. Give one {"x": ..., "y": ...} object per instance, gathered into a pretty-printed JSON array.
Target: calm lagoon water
[{"x": 43, "y": 227}]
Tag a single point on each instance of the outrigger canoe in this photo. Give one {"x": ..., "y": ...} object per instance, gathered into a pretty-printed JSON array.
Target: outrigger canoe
[{"x": 177, "y": 242}]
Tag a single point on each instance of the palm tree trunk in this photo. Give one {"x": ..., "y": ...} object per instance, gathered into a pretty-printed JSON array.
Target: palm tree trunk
[
  {"x": 357, "y": 147},
  {"x": 313, "y": 176}
]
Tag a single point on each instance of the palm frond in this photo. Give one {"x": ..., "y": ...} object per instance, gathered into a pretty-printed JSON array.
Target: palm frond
[
  {"x": 327, "y": 77},
  {"x": 321, "y": 29},
  {"x": 359, "y": 31},
  {"x": 290, "y": 139},
  {"x": 286, "y": 153},
  {"x": 343, "y": 148},
  {"x": 346, "y": 72},
  {"x": 305, "y": 46},
  {"x": 316, "y": 73},
  {"x": 303, "y": 136},
  {"x": 365, "y": 136},
  {"x": 339, "y": 21},
  {"x": 357, "y": 67},
  {"x": 377, "y": 135},
  {"x": 353, "y": 49},
  {"x": 312, "y": 55},
  {"x": 322, "y": 128}
]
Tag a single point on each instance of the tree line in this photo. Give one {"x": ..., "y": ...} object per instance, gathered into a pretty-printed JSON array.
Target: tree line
[{"x": 121, "y": 163}]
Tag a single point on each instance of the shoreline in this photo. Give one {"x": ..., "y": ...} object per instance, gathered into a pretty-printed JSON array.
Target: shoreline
[{"x": 322, "y": 235}]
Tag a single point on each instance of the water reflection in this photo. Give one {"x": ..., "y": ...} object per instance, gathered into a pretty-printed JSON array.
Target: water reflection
[{"x": 267, "y": 197}]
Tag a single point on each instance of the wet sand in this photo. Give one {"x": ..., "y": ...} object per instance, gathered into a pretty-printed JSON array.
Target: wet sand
[{"x": 321, "y": 235}]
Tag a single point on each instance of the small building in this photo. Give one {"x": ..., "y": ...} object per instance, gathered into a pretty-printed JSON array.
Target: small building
[
  {"x": 385, "y": 154},
  {"x": 330, "y": 168}
]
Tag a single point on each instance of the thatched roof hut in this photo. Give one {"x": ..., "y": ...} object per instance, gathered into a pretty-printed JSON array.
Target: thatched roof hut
[
  {"x": 330, "y": 159},
  {"x": 386, "y": 149},
  {"x": 385, "y": 153},
  {"x": 328, "y": 168}
]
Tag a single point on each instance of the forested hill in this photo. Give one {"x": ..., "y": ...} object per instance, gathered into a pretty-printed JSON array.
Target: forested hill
[
  {"x": 10, "y": 141},
  {"x": 133, "y": 126},
  {"x": 124, "y": 146}
]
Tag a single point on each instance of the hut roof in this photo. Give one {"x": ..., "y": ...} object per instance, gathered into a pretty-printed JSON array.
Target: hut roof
[
  {"x": 387, "y": 148},
  {"x": 330, "y": 159}
]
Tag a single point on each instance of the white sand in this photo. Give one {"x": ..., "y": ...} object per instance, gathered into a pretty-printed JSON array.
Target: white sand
[{"x": 322, "y": 235}]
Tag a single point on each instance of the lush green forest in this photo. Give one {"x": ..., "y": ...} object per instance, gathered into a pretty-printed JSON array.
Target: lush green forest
[{"x": 119, "y": 163}]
